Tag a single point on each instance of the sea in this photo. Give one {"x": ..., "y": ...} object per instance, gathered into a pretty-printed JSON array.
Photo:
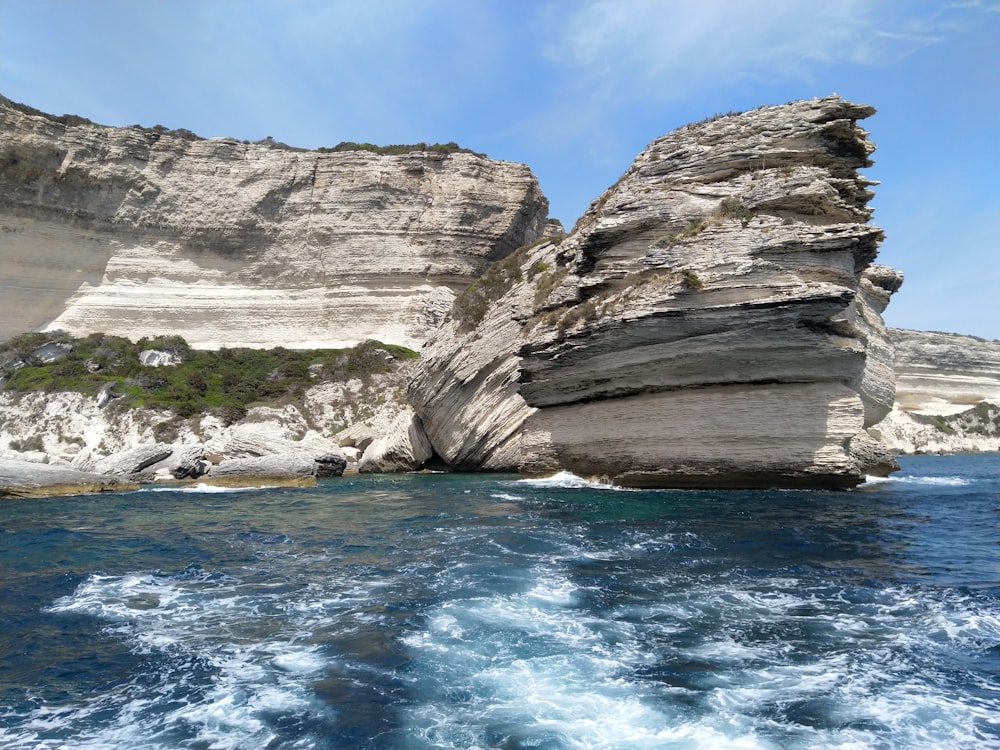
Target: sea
[{"x": 489, "y": 611}]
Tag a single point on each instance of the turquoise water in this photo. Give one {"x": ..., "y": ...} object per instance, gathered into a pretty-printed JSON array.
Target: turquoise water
[{"x": 418, "y": 611}]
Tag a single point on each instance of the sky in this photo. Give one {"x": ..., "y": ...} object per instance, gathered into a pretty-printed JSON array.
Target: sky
[{"x": 573, "y": 88}]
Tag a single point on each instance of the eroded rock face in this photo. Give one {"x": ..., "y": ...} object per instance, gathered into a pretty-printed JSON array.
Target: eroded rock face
[
  {"x": 944, "y": 373},
  {"x": 947, "y": 394},
  {"x": 136, "y": 232},
  {"x": 712, "y": 320}
]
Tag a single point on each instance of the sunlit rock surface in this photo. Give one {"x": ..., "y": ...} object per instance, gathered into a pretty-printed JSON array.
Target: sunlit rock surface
[
  {"x": 947, "y": 394},
  {"x": 138, "y": 232},
  {"x": 712, "y": 320}
]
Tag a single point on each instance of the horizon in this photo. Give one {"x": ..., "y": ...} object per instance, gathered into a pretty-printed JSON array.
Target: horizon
[{"x": 574, "y": 90}]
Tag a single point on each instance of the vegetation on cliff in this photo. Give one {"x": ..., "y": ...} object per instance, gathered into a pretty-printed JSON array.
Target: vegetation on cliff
[
  {"x": 224, "y": 382},
  {"x": 156, "y": 131}
]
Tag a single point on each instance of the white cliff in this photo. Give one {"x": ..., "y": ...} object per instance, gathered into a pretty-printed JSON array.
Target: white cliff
[
  {"x": 947, "y": 394},
  {"x": 137, "y": 232}
]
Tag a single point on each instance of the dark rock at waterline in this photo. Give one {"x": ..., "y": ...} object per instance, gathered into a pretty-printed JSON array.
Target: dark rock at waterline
[
  {"x": 330, "y": 464},
  {"x": 191, "y": 463}
]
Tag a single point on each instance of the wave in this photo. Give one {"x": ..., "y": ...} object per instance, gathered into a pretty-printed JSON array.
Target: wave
[
  {"x": 569, "y": 480},
  {"x": 927, "y": 480},
  {"x": 193, "y": 628},
  {"x": 202, "y": 488}
]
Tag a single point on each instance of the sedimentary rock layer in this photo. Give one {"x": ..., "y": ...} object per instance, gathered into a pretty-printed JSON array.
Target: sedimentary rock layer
[
  {"x": 947, "y": 394},
  {"x": 137, "y": 232},
  {"x": 22, "y": 479},
  {"x": 944, "y": 373},
  {"x": 712, "y": 320}
]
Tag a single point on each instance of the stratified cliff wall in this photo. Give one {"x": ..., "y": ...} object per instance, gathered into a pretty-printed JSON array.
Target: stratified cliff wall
[
  {"x": 136, "y": 232},
  {"x": 947, "y": 394},
  {"x": 712, "y": 320}
]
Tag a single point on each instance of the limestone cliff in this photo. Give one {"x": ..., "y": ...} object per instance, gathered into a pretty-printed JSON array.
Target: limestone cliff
[
  {"x": 947, "y": 394},
  {"x": 140, "y": 231},
  {"x": 712, "y": 320}
]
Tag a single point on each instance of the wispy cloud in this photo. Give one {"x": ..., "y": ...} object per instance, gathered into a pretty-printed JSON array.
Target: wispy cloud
[{"x": 679, "y": 46}]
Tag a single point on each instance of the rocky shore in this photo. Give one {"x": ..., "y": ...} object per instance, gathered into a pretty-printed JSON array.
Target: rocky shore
[{"x": 25, "y": 479}]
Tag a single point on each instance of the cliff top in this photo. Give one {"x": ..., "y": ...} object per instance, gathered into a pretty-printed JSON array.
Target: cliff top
[{"x": 71, "y": 121}]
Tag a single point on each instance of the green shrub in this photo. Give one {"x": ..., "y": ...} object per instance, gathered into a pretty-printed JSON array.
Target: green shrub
[
  {"x": 471, "y": 306},
  {"x": 691, "y": 279},
  {"x": 547, "y": 283},
  {"x": 539, "y": 266},
  {"x": 225, "y": 381},
  {"x": 733, "y": 208},
  {"x": 33, "y": 443},
  {"x": 694, "y": 227},
  {"x": 397, "y": 149}
]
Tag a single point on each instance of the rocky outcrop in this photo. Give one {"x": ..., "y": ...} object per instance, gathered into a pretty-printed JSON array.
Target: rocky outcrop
[
  {"x": 274, "y": 470},
  {"x": 133, "y": 461},
  {"x": 947, "y": 394},
  {"x": 712, "y": 320},
  {"x": 138, "y": 231},
  {"x": 71, "y": 430},
  {"x": 404, "y": 447},
  {"x": 23, "y": 479}
]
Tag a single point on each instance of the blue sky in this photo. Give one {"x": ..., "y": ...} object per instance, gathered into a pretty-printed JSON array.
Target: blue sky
[{"x": 574, "y": 88}]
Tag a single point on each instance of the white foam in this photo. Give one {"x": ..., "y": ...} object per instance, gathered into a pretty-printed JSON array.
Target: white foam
[
  {"x": 569, "y": 480},
  {"x": 506, "y": 496},
  {"x": 203, "y": 488},
  {"x": 937, "y": 481},
  {"x": 197, "y": 619}
]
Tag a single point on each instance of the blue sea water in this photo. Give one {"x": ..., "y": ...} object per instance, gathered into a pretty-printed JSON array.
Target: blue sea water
[{"x": 456, "y": 611}]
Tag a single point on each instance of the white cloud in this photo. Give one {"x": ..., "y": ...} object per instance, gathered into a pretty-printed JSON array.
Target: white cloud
[{"x": 680, "y": 45}]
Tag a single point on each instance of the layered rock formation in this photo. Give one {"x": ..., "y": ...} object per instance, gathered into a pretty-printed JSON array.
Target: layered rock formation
[
  {"x": 947, "y": 394},
  {"x": 712, "y": 320},
  {"x": 944, "y": 373},
  {"x": 137, "y": 232},
  {"x": 23, "y": 479}
]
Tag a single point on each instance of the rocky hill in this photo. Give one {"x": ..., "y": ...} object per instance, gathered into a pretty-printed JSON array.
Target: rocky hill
[
  {"x": 712, "y": 320},
  {"x": 145, "y": 231}
]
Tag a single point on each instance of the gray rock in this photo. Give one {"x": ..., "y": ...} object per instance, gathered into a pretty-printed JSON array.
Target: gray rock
[
  {"x": 53, "y": 351},
  {"x": 34, "y": 457},
  {"x": 358, "y": 436},
  {"x": 713, "y": 320},
  {"x": 284, "y": 469},
  {"x": 107, "y": 393},
  {"x": 159, "y": 358},
  {"x": 191, "y": 463},
  {"x": 22, "y": 479},
  {"x": 404, "y": 448},
  {"x": 133, "y": 461},
  {"x": 330, "y": 464}
]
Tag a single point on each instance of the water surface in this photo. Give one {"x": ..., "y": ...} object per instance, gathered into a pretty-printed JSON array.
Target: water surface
[{"x": 448, "y": 611}]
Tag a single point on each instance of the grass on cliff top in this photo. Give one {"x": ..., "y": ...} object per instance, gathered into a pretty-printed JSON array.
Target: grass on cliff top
[
  {"x": 157, "y": 130},
  {"x": 224, "y": 382}
]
